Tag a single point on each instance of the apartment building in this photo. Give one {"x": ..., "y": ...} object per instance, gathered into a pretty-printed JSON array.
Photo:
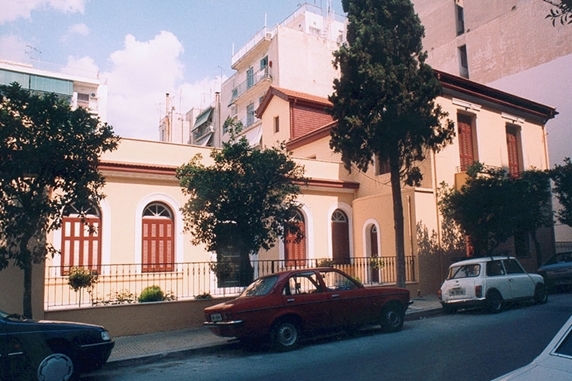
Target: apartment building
[
  {"x": 511, "y": 46},
  {"x": 294, "y": 54},
  {"x": 80, "y": 91}
]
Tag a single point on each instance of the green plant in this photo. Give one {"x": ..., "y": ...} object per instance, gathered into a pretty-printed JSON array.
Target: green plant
[
  {"x": 222, "y": 268},
  {"x": 326, "y": 262},
  {"x": 376, "y": 263},
  {"x": 81, "y": 277},
  {"x": 203, "y": 296},
  {"x": 151, "y": 294}
]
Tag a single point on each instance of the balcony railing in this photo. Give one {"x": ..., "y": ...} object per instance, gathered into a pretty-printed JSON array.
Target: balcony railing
[
  {"x": 250, "y": 83},
  {"x": 123, "y": 283}
]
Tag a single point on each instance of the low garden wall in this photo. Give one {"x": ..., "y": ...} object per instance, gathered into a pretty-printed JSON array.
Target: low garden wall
[{"x": 139, "y": 318}]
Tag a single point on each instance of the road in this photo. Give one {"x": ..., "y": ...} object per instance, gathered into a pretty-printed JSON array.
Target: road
[{"x": 468, "y": 346}]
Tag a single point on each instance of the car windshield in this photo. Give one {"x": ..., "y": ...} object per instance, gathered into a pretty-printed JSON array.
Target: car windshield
[
  {"x": 260, "y": 287},
  {"x": 464, "y": 271},
  {"x": 565, "y": 346}
]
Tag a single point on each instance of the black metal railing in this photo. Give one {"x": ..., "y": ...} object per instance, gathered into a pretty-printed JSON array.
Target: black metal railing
[{"x": 124, "y": 283}]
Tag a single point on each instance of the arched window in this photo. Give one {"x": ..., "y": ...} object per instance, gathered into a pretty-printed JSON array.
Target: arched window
[
  {"x": 295, "y": 251},
  {"x": 340, "y": 237},
  {"x": 158, "y": 245},
  {"x": 81, "y": 238}
]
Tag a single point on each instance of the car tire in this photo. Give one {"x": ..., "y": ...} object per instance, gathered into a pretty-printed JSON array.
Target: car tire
[
  {"x": 392, "y": 318},
  {"x": 285, "y": 335},
  {"x": 494, "y": 302},
  {"x": 540, "y": 294},
  {"x": 56, "y": 366}
]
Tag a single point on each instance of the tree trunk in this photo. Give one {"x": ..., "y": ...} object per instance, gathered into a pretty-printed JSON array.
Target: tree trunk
[
  {"x": 537, "y": 248},
  {"x": 398, "y": 222},
  {"x": 27, "y": 297},
  {"x": 246, "y": 271}
]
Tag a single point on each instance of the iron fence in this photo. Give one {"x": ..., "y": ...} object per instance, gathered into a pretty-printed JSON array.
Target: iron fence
[{"x": 124, "y": 283}]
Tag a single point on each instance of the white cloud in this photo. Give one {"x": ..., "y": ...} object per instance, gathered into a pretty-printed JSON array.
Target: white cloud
[
  {"x": 13, "y": 48},
  {"x": 12, "y": 10},
  {"x": 76, "y": 30},
  {"x": 83, "y": 67},
  {"x": 140, "y": 76}
]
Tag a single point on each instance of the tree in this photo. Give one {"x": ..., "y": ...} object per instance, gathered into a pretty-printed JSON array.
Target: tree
[
  {"x": 49, "y": 156},
  {"x": 492, "y": 206},
  {"x": 383, "y": 101},
  {"x": 562, "y": 10},
  {"x": 243, "y": 202},
  {"x": 562, "y": 177}
]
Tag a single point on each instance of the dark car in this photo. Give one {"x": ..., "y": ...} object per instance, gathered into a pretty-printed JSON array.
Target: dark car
[
  {"x": 287, "y": 305},
  {"x": 557, "y": 270},
  {"x": 48, "y": 350}
]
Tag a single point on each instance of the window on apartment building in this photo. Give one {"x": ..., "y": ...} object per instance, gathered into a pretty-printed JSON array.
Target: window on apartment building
[
  {"x": 250, "y": 115},
  {"x": 276, "y": 124},
  {"x": 264, "y": 63},
  {"x": 522, "y": 246},
  {"x": 513, "y": 148},
  {"x": 463, "y": 62},
  {"x": 158, "y": 241},
  {"x": 465, "y": 133},
  {"x": 249, "y": 78},
  {"x": 81, "y": 238},
  {"x": 340, "y": 237},
  {"x": 381, "y": 166},
  {"x": 295, "y": 249},
  {"x": 460, "y": 19},
  {"x": 83, "y": 100}
]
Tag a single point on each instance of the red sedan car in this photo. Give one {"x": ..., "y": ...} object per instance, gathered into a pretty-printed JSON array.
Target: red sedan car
[{"x": 293, "y": 303}]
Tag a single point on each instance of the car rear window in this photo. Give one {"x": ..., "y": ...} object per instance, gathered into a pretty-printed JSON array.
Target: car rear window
[
  {"x": 260, "y": 287},
  {"x": 465, "y": 271}
]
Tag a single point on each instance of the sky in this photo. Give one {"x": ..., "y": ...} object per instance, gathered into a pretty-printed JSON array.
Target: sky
[{"x": 143, "y": 49}]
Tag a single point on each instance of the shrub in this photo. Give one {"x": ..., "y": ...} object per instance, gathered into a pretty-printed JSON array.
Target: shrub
[{"x": 151, "y": 294}]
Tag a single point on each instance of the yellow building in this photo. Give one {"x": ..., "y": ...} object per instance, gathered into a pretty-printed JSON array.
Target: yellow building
[{"x": 347, "y": 217}]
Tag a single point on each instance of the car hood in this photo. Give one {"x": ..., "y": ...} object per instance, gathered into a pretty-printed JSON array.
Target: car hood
[{"x": 535, "y": 372}]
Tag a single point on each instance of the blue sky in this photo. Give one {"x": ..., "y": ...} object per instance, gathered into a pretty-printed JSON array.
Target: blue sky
[{"x": 143, "y": 48}]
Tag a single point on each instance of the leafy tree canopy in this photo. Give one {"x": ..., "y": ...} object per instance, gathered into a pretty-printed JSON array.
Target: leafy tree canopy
[
  {"x": 492, "y": 206},
  {"x": 562, "y": 11},
  {"x": 562, "y": 176},
  {"x": 383, "y": 102},
  {"x": 245, "y": 199},
  {"x": 49, "y": 157}
]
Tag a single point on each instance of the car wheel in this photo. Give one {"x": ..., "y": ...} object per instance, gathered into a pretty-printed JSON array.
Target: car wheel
[
  {"x": 56, "y": 367},
  {"x": 392, "y": 318},
  {"x": 449, "y": 309},
  {"x": 285, "y": 335},
  {"x": 540, "y": 294},
  {"x": 494, "y": 301}
]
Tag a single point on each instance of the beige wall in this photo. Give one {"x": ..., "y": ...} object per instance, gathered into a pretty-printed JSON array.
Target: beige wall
[{"x": 12, "y": 290}]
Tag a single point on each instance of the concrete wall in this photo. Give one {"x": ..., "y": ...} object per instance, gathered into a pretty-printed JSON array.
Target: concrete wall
[
  {"x": 12, "y": 290},
  {"x": 139, "y": 318}
]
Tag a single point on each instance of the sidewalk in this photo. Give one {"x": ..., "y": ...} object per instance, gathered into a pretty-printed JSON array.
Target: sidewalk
[{"x": 152, "y": 346}]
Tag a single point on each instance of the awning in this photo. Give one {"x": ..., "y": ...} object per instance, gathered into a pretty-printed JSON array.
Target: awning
[
  {"x": 205, "y": 140},
  {"x": 203, "y": 117},
  {"x": 254, "y": 136}
]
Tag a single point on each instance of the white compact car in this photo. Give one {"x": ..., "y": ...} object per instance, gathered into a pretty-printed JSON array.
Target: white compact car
[
  {"x": 489, "y": 282},
  {"x": 554, "y": 363}
]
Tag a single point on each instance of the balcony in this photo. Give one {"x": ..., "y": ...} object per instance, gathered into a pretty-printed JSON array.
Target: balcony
[{"x": 251, "y": 81}]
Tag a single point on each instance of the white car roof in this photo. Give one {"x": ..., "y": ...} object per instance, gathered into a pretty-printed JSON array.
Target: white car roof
[{"x": 473, "y": 261}]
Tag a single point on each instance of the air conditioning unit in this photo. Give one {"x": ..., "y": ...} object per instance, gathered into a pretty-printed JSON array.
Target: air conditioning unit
[{"x": 268, "y": 35}]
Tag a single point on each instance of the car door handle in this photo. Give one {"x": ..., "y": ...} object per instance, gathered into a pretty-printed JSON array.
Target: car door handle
[
  {"x": 290, "y": 300},
  {"x": 335, "y": 296}
]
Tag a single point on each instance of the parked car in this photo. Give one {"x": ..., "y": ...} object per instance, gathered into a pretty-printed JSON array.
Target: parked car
[
  {"x": 554, "y": 363},
  {"x": 288, "y": 305},
  {"x": 557, "y": 270},
  {"x": 489, "y": 282},
  {"x": 48, "y": 350}
]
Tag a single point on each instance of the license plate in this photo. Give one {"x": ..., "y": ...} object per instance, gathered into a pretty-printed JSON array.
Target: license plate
[
  {"x": 216, "y": 317},
  {"x": 457, "y": 292}
]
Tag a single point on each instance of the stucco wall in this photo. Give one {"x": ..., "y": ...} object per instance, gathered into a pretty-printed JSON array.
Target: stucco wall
[
  {"x": 135, "y": 319},
  {"x": 12, "y": 290}
]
